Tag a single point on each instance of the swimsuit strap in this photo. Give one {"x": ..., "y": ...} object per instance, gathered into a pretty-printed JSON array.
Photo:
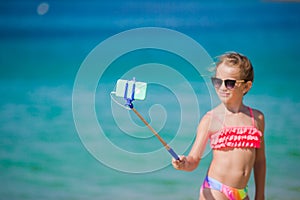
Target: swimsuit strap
[{"x": 252, "y": 116}]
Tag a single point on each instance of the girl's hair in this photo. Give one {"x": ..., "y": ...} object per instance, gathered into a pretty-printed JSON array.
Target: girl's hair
[{"x": 238, "y": 60}]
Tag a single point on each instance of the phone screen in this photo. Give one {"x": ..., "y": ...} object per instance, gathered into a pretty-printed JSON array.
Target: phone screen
[{"x": 139, "y": 92}]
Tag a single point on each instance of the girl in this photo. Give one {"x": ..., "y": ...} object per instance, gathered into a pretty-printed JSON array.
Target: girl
[{"x": 236, "y": 136}]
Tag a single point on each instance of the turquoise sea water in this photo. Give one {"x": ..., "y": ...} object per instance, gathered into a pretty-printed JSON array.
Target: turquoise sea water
[{"x": 41, "y": 154}]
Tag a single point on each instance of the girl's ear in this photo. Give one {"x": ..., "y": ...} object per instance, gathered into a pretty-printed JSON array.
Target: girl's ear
[{"x": 247, "y": 87}]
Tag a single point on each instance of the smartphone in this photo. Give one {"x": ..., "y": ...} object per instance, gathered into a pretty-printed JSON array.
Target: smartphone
[{"x": 139, "y": 91}]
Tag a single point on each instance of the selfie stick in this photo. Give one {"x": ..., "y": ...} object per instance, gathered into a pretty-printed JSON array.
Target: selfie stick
[{"x": 130, "y": 105}]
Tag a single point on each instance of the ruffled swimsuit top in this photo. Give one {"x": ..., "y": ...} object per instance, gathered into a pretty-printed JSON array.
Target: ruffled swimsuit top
[{"x": 237, "y": 137}]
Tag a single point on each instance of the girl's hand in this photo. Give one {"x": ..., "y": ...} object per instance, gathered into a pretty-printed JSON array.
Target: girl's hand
[{"x": 179, "y": 164}]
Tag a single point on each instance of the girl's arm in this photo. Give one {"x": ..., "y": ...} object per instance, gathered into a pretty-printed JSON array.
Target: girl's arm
[
  {"x": 260, "y": 164},
  {"x": 190, "y": 162}
]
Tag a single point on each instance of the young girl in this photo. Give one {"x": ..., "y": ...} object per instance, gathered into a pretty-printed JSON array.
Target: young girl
[{"x": 236, "y": 136}]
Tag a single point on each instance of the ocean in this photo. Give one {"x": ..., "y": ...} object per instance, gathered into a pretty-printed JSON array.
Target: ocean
[{"x": 65, "y": 135}]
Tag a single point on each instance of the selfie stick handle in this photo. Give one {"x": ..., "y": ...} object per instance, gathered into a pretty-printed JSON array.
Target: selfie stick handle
[{"x": 169, "y": 149}]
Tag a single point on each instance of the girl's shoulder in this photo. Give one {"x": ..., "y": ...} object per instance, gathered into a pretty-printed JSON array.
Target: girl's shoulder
[
  {"x": 257, "y": 113},
  {"x": 259, "y": 119},
  {"x": 213, "y": 120}
]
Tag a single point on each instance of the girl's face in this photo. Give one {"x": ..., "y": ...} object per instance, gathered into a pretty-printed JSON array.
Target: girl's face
[{"x": 233, "y": 92}]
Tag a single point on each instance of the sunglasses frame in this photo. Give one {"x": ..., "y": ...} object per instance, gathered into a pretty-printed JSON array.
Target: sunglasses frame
[{"x": 226, "y": 82}]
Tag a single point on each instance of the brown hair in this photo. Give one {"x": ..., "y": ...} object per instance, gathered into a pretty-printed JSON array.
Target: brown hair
[{"x": 238, "y": 60}]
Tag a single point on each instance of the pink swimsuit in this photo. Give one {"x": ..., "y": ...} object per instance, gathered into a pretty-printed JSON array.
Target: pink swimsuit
[
  {"x": 233, "y": 137},
  {"x": 237, "y": 137}
]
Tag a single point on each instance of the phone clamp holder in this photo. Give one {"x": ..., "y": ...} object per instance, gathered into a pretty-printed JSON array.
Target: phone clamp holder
[{"x": 130, "y": 99}]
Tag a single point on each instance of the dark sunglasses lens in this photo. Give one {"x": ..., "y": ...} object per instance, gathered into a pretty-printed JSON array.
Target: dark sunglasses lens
[
  {"x": 229, "y": 84},
  {"x": 216, "y": 82}
]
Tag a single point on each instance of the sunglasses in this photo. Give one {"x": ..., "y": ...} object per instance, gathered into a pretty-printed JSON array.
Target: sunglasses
[{"x": 229, "y": 84}]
